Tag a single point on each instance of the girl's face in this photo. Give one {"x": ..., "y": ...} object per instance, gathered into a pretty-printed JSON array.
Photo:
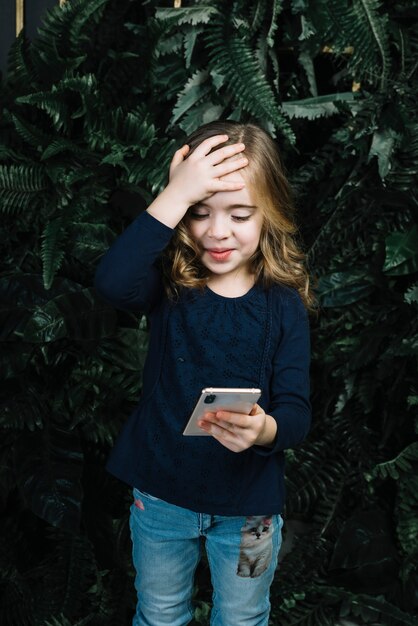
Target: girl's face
[{"x": 227, "y": 228}]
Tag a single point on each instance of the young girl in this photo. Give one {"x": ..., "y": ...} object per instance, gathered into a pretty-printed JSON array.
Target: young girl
[{"x": 214, "y": 265}]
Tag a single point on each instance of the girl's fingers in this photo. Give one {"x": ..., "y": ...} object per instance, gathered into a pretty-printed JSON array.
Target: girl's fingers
[
  {"x": 221, "y": 154},
  {"x": 227, "y": 167},
  {"x": 227, "y": 185},
  {"x": 179, "y": 155},
  {"x": 211, "y": 142},
  {"x": 178, "y": 158}
]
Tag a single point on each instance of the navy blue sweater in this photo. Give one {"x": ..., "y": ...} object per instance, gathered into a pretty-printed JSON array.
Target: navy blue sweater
[{"x": 206, "y": 340}]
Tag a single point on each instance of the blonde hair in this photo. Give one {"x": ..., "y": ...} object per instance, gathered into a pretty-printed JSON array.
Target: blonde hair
[{"x": 279, "y": 258}]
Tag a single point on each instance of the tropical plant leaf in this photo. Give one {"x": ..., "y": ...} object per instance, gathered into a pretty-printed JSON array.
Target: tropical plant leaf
[
  {"x": 320, "y": 106},
  {"x": 53, "y": 239},
  {"x": 383, "y": 144},
  {"x": 78, "y": 316},
  {"x": 401, "y": 464},
  {"x": 401, "y": 253},
  {"x": 49, "y": 466},
  {"x": 344, "y": 288},
  {"x": 187, "y": 15}
]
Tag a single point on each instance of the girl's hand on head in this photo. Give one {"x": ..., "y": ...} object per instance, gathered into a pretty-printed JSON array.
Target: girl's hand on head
[
  {"x": 237, "y": 431},
  {"x": 200, "y": 175}
]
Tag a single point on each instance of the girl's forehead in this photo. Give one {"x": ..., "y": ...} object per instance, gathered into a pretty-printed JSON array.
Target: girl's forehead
[{"x": 230, "y": 199}]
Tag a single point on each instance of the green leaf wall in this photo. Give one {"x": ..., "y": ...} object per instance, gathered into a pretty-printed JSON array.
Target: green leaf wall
[{"x": 91, "y": 112}]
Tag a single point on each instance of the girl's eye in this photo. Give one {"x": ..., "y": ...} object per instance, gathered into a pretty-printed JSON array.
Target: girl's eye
[
  {"x": 240, "y": 218},
  {"x": 198, "y": 216}
]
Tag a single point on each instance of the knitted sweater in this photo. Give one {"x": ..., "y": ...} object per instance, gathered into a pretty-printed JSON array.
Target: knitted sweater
[{"x": 260, "y": 339}]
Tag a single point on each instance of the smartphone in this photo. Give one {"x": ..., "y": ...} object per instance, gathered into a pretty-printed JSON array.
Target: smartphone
[{"x": 221, "y": 398}]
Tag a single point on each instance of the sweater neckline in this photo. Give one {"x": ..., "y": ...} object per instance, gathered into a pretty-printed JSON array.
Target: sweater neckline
[{"x": 216, "y": 296}]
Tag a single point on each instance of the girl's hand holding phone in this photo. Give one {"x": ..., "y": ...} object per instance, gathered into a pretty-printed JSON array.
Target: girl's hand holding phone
[
  {"x": 237, "y": 431},
  {"x": 197, "y": 177}
]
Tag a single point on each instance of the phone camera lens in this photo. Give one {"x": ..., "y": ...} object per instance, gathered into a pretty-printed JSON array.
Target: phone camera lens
[{"x": 210, "y": 399}]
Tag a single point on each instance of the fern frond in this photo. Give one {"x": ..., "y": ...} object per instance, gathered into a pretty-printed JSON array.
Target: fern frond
[
  {"x": 403, "y": 173},
  {"x": 52, "y": 252},
  {"x": 411, "y": 294},
  {"x": 258, "y": 13},
  {"x": 359, "y": 31},
  {"x": 406, "y": 514},
  {"x": 320, "y": 106},
  {"x": 196, "y": 88},
  {"x": 187, "y": 15},
  {"x": 30, "y": 133},
  {"x": 83, "y": 14},
  {"x": 50, "y": 102},
  {"x": 276, "y": 9},
  {"x": 70, "y": 570},
  {"x": 63, "y": 621},
  {"x": 401, "y": 464},
  {"x": 20, "y": 186},
  {"x": 233, "y": 57},
  {"x": 24, "y": 178},
  {"x": 297, "y": 610},
  {"x": 21, "y": 73}
]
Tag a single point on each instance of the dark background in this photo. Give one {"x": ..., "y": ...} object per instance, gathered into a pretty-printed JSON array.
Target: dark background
[{"x": 33, "y": 12}]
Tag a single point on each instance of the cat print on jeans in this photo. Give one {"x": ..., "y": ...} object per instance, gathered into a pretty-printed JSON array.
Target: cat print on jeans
[{"x": 256, "y": 547}]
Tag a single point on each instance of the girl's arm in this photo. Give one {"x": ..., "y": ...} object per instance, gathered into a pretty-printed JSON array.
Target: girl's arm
[
  {"x": 289, "y": 402},
  {"x": 127, "y": 275}
]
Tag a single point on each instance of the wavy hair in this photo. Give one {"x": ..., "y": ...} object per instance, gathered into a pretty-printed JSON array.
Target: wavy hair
[{"x": 279, "y": 258}]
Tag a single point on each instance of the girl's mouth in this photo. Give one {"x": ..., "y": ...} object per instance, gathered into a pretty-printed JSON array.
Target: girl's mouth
[{"x": 218, "y": 254}]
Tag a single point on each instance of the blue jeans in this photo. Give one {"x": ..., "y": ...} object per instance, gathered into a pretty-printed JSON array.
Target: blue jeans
[{"x": 242, "y": 554}]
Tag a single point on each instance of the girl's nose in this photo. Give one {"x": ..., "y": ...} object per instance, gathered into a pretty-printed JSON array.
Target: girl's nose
[{"x": 219, "y": 228}]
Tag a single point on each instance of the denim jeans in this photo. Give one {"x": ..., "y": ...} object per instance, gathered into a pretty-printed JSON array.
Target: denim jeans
[{"x": 242, "y": 554}]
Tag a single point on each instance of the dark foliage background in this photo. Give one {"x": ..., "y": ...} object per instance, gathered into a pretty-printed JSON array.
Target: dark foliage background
[{"x": 91, "y": 113}]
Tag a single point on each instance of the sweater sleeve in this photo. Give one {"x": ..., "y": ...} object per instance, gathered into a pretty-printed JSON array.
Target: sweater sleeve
[
  {"x": 127, "y": 276},
  {"x": 290, "y": 404},
  {"x": 289, "y": 387}
]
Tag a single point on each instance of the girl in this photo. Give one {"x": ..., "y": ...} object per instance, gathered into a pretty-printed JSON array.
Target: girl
[{"x": 214, "y": 264}]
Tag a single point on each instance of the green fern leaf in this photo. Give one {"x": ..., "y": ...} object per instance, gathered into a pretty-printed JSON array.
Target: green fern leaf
[
  {"x": 60, "y": 145},
  {"x": 30, "y": 133},
  {"x": 21, "y": 73},
  {"x": 378, "y": 34},
  {"x": 359, "y": 31},
  {"x": 411, "y": 295},
  {"x": 200, "y": 114},
  {"x": 82, "y": 14},
  {"x": 187, "y": 15},
  {"x": 52, "y": 252},
  {"x": 233, "y": 57},
  {"x": 20, "y": 186},
  {"x": 401, "y": 464},
  {"x": 406, "y": 513},
  {"x": 401, "y": 253},
  {"x": 258, "y": 14},
  {"x": 50, "y": 102},
  {"x": 169, "y": 45},
  {"x": 22, "y": 178},
  {"x": 383, "y": 145},
  {"x": 320, "y": 106},
  {"x": 196, "y": 88},
  {"x": 189, "y": 41},
  {"x": 276, "y": 9},
  {"x": 404, "y": 170},
  {"x": 78, "y": 316}
]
